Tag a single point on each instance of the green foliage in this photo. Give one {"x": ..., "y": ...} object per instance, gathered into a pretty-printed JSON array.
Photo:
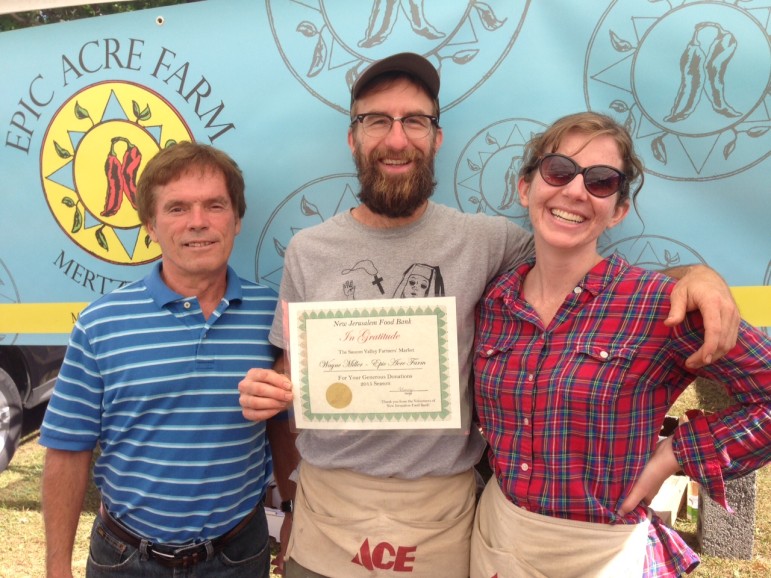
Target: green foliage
[{"x": 49, "y": 16}]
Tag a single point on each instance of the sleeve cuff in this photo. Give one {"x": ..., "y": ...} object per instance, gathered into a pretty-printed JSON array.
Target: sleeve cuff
[{"x": 694, "y": 449}]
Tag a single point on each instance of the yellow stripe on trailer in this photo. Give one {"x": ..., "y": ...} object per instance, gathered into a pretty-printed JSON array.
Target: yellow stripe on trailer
[
  {"x": 754, "y": 305},
  {"x": 39, "y": 317}
]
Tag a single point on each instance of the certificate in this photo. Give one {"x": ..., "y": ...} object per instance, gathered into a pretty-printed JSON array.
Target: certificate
[{"x": 378, "y": 364}]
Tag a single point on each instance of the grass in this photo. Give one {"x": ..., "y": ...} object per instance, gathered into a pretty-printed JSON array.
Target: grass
[{"x": 21, "y": 521}]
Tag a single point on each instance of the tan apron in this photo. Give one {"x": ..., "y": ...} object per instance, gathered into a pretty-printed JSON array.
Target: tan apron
[
  {"x": 351, "y": 525},
  {"x": 510, "y": 542}
]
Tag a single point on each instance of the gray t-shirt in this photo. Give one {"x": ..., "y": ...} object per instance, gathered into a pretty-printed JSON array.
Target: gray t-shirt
[{"x": 444, "y": 253}]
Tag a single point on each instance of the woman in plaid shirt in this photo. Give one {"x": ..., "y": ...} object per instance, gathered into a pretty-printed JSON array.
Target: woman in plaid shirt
[{"x": 575, "y": 371}]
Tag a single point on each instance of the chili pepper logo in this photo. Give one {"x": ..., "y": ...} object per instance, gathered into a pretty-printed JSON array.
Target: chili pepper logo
[
  {"x": 121, "y": 176},
  {"x": 702, "y": 72},
  {"x": 720, "y": 53},
  {"x": 93, "y": 154},
  {"x": 467, "y": 41},
  {"x": 699, "y": 113}
]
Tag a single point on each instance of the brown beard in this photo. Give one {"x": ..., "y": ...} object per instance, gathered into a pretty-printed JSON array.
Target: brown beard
[{"x": 395, "y": 196}]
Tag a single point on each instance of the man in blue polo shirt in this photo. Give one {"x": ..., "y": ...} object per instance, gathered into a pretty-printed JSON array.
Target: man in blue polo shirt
[{"x": 150, "y": 377}]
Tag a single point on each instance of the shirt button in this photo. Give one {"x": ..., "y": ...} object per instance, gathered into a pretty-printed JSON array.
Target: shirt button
[
  {"x": 604, "y": 354},
  {"x": 525, "y": 467},
  {"x": 577, "y": 290},
  {"x": 526, "y": 421},
  {"x": 490, "y": 351},
  {"x": 186, "y": 305},
  {"x": 530, "y": 377}
]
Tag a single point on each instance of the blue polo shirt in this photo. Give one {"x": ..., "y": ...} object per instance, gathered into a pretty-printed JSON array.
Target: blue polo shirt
[{"x": 155, "y": 386}]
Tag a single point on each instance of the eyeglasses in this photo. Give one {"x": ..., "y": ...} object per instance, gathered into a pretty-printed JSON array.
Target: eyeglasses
[
  {"x": 378, "y": 125},
  {"x": 600, "y": 180}
]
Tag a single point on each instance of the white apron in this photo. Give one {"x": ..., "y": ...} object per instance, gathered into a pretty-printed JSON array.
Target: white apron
[
  {"x": 351, "y": 525},
  {"x": 511, "y": 542}
]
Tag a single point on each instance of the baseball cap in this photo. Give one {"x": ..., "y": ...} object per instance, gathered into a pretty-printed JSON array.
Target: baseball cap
[{"x": 409, "y": 62}]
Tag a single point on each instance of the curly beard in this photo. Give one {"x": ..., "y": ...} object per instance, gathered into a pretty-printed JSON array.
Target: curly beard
[{"x": 395, "y": 196}]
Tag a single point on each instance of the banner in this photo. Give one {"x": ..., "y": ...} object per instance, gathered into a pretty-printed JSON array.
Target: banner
[{"x": 85, "y": 104}]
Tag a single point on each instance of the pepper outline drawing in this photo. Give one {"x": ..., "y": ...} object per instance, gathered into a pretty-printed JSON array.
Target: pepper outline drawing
[
  {"x": 704, "y": 73},
  {"x": 382, "y": 20},
  {"x": 720, "y": 53}
]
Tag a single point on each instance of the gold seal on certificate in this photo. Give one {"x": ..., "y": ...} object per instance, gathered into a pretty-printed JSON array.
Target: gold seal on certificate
[
  {"x": 339, "y": 395},
  {"x": 379, "y": 364}
]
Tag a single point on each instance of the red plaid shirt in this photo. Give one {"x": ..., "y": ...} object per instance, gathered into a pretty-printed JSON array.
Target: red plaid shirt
[{"x": 572, "y": 411}]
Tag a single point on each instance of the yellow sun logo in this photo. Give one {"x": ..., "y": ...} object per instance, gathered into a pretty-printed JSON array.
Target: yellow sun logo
[{"x": 93, "y": 153}]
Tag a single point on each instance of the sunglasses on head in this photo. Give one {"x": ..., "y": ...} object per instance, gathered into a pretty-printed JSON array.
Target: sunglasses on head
[{"x": 600, "y": 180}]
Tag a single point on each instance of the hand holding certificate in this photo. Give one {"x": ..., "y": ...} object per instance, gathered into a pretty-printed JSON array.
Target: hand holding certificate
[{"x": 383, "y": 364}]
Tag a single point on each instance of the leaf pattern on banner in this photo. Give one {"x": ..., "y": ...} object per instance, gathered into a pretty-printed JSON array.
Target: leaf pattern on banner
[
  {"x": 487, "y": 16},
  {"x": 619, "y": 44}
]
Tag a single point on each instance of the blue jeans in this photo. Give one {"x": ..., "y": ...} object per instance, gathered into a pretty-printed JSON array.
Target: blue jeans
[{"x": 246, "y": 555}]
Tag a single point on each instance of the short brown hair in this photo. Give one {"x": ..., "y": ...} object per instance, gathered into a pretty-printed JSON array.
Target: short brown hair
[
  {"x": 176, "y": 160},
  {"x": 593, "y": 125}
]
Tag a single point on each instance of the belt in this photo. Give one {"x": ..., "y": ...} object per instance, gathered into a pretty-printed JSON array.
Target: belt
[{"x": 174, "y": 556}]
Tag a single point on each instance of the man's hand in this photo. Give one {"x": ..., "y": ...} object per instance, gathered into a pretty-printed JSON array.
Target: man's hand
[
  {"x": 662, "y": 464},
  {"x": 699, "y": 287},
  {"x": 264, "y": 393}
]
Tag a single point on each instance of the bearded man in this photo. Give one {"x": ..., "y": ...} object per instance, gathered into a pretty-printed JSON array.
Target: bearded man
[{"x": 379, "y": 503}]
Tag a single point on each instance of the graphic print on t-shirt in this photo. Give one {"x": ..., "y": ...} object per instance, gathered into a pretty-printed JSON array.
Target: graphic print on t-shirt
[{"x": 418, "y": 280}]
